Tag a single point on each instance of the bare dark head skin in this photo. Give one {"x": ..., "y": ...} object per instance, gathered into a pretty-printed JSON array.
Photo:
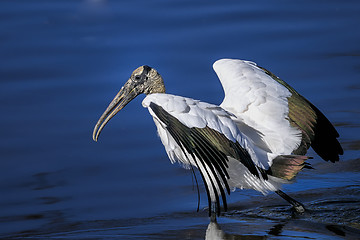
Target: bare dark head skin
[{"x": 144, "y": 79}]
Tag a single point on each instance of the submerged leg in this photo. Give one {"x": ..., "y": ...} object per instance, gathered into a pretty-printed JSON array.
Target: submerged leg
[{"x": 297, "y": 206}]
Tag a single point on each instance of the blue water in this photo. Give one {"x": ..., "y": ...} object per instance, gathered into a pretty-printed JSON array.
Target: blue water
[{"x": 63, "y": 61}]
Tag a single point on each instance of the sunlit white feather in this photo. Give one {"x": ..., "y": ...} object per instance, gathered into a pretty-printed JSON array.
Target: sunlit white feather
[
  {"x": 194, "y": 113},
  {"x": 258, "y": 102}
]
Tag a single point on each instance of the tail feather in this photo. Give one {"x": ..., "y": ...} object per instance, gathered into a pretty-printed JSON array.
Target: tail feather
[{"x": 288, "y": 166}]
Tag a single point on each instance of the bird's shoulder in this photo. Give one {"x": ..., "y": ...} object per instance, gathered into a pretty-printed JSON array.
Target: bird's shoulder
[{"x": 195, "y": 113}]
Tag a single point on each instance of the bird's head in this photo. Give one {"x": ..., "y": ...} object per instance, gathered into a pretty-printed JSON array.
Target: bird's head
[{"x": 144, "y": 79}]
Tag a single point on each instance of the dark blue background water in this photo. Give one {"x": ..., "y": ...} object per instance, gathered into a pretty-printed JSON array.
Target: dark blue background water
[{"x": 63, "y": 61}]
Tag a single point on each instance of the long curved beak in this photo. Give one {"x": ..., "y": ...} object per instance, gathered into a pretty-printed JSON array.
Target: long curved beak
[{"x": 123, "y": 97}]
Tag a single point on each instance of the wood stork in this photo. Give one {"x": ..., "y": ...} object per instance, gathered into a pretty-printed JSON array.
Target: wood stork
[{"x": 254, "y": 139}]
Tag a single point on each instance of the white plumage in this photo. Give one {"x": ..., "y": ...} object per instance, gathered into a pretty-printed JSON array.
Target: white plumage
[
  {"x": 259, "y": 102},
  {"x": 196, "y": 114},
  {"x": 247, "y": 141}
]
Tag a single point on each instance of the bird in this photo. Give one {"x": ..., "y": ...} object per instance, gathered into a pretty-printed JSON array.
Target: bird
[{"x": 257, "y": 138}]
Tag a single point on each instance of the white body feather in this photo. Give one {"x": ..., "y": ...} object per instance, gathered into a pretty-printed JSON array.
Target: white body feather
[{"x": 194, "y": 113}]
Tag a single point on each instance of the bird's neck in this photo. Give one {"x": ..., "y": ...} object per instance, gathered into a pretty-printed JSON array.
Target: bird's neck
[
  {"x": 157, "y": 87},
  {"x": 160, "y": 88}
]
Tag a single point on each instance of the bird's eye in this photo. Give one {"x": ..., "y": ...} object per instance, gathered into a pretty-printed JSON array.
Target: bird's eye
[{"x": 137, "y": 77}]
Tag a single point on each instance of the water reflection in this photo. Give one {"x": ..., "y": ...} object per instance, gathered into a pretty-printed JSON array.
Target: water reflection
[
  {"x": 288, "y": 229},
  {"x": 214, "y": 232},
  {"x": 323, "y": 219}
]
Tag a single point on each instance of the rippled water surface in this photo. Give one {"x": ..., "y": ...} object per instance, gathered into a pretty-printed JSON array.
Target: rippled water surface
[{"x": 63, "y": 61}]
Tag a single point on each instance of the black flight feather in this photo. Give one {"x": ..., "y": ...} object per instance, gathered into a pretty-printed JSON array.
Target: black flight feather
[
  {"x": 209, "y": 150},
  {"x": 316, "y": 129}
]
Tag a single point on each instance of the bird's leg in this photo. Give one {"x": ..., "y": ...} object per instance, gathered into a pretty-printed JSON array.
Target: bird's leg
[
  {"x": 299, "y": 208},
  {"x": 213, "y": 212}
]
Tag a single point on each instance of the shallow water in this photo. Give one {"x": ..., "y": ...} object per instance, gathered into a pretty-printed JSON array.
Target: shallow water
[{"x": 63, "y": 61}]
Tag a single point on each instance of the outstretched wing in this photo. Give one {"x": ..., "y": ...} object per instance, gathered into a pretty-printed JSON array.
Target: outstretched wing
[
  {"x": 203, "y": 145},
  {"x": 287, "y": 122}
]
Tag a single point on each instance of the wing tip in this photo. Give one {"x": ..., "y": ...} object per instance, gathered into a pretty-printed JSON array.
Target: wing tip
[
  {"x": 225, "y": 62},
  {"x": 326, "y": 143}
]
